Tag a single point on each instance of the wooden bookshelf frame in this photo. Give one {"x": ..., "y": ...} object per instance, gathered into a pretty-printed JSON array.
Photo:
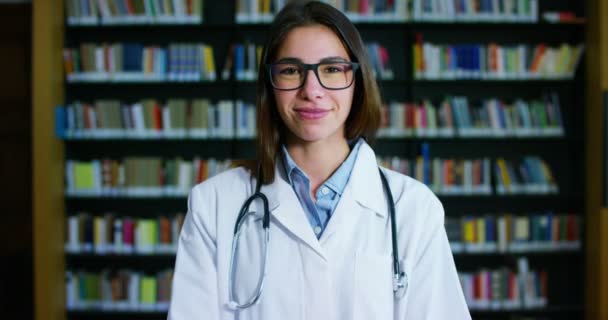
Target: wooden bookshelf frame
[
  {"x": 596, "y": 216},
  {"x": 47, "y": 161}
]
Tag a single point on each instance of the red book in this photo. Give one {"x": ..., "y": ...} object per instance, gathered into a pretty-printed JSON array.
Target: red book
[
  {"x": 128, "y": 231},
  {"x": 158, "y": 116}
]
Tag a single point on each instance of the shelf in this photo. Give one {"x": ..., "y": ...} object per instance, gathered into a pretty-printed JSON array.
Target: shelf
[
  {"x": 477, "y": 313},
  {"x": 408, "y": 148},
  {"x": 453, "y": 205},
  {"x": 117, "y": 315}
]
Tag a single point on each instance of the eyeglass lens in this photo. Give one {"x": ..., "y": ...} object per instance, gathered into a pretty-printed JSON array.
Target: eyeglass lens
[{"x": 331, "y": 75}]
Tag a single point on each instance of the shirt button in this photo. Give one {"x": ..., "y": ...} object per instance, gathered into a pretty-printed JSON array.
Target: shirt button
[
  {"x": 318, "y": 230},
  {"x": 325, "y": 190}
]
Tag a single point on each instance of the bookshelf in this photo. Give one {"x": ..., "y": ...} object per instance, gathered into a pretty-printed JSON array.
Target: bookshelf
[
  {"x": 597, "y": 216},
  {"x": 218, "y": 29}
]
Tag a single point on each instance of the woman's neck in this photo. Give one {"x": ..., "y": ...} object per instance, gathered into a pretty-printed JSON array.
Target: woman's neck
[{"x": 318, "y": 159}]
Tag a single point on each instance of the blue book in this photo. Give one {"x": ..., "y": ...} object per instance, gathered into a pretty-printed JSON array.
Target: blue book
[
  {"x": 426, "y": 157},
  {"x": 490, "y": 223},
  {"x": 239, "y": 61},
  {"x": 60, "y": 122},
  {"x": 132, "y": 55}
]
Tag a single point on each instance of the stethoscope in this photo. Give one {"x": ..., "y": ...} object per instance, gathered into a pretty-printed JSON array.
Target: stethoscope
[{"x": 399, "y": 277}]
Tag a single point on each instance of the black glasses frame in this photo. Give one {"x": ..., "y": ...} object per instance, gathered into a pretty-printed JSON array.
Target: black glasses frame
[{"x": 315, "y": 69}]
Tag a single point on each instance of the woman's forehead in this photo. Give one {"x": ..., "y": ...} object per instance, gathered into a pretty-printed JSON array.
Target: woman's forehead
[{"x": 311, "y": 44}]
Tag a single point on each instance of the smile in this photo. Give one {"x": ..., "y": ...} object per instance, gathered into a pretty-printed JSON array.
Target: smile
[{"x": 311, "y": 114}]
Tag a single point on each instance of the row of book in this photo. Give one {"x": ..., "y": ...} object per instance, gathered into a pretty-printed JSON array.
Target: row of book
[
  {"x": 446, "y": 176},
  {"x": 380, "y": 61},
  {"x": 133, "y": 12},
  {"x": 494, "y": 61},
  {"x": 242, "y": 61},
  {"x": 514, "y": 233},
  {"x": 157, "y": 177},
  {"x": 128, "y": 290},
  {"x": 475, "y": 11},
  {"x": 151, "y": 119},
  {"x": 122, "y": 290},
  {"x": 382, "y": 11},
  {"x": 528, "y": 175},
  {"x": 472, "y": 176},
  {"x": 263, "y": 11},
  {"x": 505, "y": 289},
  {"x": 138, "y": 176},
  {"x": 457, "y": 116},
  {"x": 127, "y": 62},
  {"x": 112, "y": 234}
]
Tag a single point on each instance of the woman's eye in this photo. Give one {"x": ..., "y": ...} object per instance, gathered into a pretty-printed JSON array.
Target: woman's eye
[
  {"x": 333, "y": 69},
  {"x": 289, "y": 71}
]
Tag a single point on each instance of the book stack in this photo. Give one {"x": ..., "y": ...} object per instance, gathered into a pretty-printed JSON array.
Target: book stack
[
  {"x": 263, "y": 11},
  {"x": 451, "y": 11},
  {"x": 530, "y": 175},
  {"x": 112, "y": 234},
  {"x": 128, "y": 62},
  {"x": 494, "y": 61},
  {"x": 446, "y": 176},
  {"x": 242, "y": 61},
  {"x": 380, "y": 61},
  {"x": 152, "y": 119},
  {"x": 138, "y": 176},
  {"x": 133, "y": 12},
  {"x": 505, "y": 289},
  {"x": 459, "y": 117},
  {"x": 534, "y": 232},
  {"x": 121, "y": 290}
]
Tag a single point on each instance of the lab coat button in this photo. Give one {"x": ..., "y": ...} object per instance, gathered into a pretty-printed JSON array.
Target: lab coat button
[{"x": 325, "y": 190}]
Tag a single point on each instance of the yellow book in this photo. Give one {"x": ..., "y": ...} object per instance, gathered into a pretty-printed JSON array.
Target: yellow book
[
  {"x": 469, "y": 230},
  {"x": 209, "y": 62},
  {"x": 416, "y": 53},
  {"x": 266, "y": 6},
  {"x": 259, "y": 55},
  {"x": 168, "y": 8},
  {"x": 481, "y": 230},
  {"x": 504, "y": 173},
  {"x": 84, "y": 175},
  {"x": 148, "y": 290},
  {"x": 563, "y": 59},
  {"x": 98, "y": 231}
]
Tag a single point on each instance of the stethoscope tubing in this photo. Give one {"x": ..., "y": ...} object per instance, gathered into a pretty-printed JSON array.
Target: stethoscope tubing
[{"x": 399, "y": 277}]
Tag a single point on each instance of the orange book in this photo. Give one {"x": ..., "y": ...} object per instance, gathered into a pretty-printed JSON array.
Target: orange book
[
  {"x": 165, "y": 230},
  {"x": 539, "y": 51}
]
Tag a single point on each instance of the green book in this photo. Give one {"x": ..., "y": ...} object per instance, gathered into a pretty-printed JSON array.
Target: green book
[
  {"x": 148, "y": 290},
  {"x": 84, "y": 175}
]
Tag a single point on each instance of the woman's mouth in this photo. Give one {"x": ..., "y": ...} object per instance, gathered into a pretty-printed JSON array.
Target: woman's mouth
[{"x": 311, "y": 113}]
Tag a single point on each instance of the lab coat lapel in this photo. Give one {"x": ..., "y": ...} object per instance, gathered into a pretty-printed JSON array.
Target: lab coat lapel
[
  {"x": 287, "y": 211},
  {"x": 362, "y": 192}
]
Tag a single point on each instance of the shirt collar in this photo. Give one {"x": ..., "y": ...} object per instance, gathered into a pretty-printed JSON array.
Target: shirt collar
[{"x": 338, "y": 180}]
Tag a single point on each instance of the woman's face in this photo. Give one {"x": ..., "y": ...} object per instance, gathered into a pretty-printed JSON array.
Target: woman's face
[{"x": 313, "y": 113}]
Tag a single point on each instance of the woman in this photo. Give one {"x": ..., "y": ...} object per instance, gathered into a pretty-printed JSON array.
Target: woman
[{"x": 330, "y": 249}]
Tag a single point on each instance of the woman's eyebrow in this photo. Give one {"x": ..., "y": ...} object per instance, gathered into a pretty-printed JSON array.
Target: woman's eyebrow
[{"x": 324, "y": 60}]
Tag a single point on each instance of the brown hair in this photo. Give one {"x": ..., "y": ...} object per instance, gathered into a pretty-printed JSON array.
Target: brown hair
[{"x": 364, "y": 118}]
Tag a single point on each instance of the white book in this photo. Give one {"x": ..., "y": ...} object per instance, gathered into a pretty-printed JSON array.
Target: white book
[{"x": 73, "y": 245}]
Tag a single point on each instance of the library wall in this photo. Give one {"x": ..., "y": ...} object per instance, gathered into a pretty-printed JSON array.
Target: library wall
[{"x": 506, "y": 160}]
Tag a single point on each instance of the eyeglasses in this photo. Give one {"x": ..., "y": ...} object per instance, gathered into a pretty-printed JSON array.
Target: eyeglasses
[{"x": 336, "y": 75}]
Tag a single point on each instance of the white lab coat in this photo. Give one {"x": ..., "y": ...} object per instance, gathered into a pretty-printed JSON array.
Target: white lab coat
[{"x": 346, "y": 274}]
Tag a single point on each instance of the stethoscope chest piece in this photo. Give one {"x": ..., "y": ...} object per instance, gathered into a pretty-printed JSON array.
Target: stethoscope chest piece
[{"x": 400, "y": 284}]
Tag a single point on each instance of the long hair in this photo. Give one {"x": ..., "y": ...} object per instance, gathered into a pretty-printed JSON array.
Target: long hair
[{"x": 364, "y": 118}]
